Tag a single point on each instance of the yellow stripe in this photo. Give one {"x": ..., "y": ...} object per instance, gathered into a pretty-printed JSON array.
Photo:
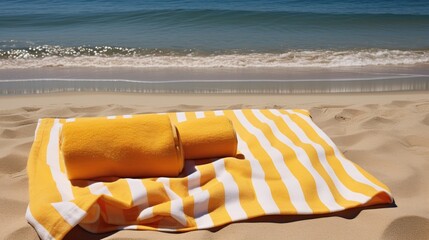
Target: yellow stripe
[
  {"x": 180, "y": 187},
  {"x": 312, "y": 154},
  {"x": 302, "y": 111},
  {"x": 216, "y": 207},
  {"x": 173, "y": 118},
  {"x": 241, "y": 172},
  {"x": 335, "y": 163},
  {"x": 120, "y": 193},
  {"x": 301, "y": 173},
  {"x": 209, "y": 114},
  {"x": 278, "y": 190},
  {"x": 156, "y": 195},
  {"x": 39, "y": 170},
  {"x": 190, "y": 116},
  {"x": 122, "y": 199}
]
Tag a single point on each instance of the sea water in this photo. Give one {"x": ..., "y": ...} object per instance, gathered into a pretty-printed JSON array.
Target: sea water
[{"x": 36, "y": 35}]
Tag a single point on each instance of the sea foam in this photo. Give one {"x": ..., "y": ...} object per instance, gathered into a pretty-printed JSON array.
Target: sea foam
[{"x": 55, "y": 56}]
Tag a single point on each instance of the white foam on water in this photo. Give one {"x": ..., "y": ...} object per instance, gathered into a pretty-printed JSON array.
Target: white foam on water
[{"x": 316, "y": 58}]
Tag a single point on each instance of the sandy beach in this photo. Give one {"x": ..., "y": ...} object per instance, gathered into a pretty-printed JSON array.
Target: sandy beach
[{"x": 384, "y": 133}]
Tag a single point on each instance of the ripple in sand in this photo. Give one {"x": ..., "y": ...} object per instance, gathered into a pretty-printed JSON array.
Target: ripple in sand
[
  {"x": 18, "y": 132},
  {"x": 31, "y": 109},
  {"x": 91, "y": 109},
  {"x": 422, "y": 107},
  {"x": 12, "y": 117},
  {"x": 377, "y": 122},
  {"x": 12, "y": 162},
  {"x": 396, "y": 104}
]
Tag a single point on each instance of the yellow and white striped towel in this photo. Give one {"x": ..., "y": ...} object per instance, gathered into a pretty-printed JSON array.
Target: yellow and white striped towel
[{"x": 290, "y": 166}]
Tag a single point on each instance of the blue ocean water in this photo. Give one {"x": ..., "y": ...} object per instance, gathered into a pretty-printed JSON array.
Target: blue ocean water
[
  {"x": 265, "y": 25},
  {"x": 42, "y": 38},
  {"x": 192, "y": 32}
]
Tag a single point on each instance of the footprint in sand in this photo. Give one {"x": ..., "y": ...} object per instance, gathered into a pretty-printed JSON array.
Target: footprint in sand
[
  {"x": 425, "y": 121},
  {"x": 377, "y": 122},
  {"x": 348, "y": 114},
  {"x": 12, "y": 162}
]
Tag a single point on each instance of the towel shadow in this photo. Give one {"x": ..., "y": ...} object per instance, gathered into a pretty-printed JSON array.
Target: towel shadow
[
  {"x": 190, "y": 165},
  {"x": 188, "y": 169},
  {"x": 346, "y": 214},
  {"x": 79, "y": 233}
]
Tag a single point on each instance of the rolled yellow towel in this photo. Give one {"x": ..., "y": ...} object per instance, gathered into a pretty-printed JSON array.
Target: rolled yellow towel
[
  {"x": 209, "y": 137},
  {"x": 142, "y": 146}
]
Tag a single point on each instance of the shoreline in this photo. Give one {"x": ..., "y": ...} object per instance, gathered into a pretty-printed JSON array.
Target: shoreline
[
  {"x": 213, "y": 73},
  {"x": 215, "y": 80}
]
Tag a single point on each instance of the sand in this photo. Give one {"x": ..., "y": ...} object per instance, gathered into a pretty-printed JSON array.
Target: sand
[{"x": 386, "y": 133}]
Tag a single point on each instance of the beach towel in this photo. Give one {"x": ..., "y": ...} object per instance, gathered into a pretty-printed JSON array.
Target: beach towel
[{"x": 286, "y": 165}]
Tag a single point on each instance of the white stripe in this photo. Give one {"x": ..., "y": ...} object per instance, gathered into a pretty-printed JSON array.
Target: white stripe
[
  {"x": 138, "y": 192},
  {"x": 262, "y": 190},
  {"x": 219, "y": 113},
  {"x": 111, "y": 117},
  {"x": 166, "y": 229},
  {"x": 98, "y": 188},
  {"x": 37, "y": 129},
  {"x": 127, "y": 116},
  {"x": 176, "y": 209},
  {"x": 289, "y": 180},
  {"x": 53, "y": 160},
  {"x": 347, "y": 165},
  {"x": 130, "y": 227},
  {"x": 201, "y": 215},
  {"x": 181, "y": 116},
  {"x": 194, "y": 183},
  {"x": 199, "y": 114},
  {"x": 343, "y": 190},
  {"x": 322, "y": 188},
  {"x": 70, "y": 212},
  {"x": 70, "y": 119},
  {"x": 40, "y": 229},
  {"x": 232, "y": 197},
  {"x": 147, "y": 213},
  {"x": 201, "y": 200}
]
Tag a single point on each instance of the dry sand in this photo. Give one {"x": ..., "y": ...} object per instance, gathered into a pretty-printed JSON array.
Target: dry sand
[{"x": 387, "y": 134}]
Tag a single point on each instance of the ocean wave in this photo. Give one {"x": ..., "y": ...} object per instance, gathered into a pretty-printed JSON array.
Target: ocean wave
[
  {"x": 206, "y": 17},
  {"x": 101, "y": 57}
]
